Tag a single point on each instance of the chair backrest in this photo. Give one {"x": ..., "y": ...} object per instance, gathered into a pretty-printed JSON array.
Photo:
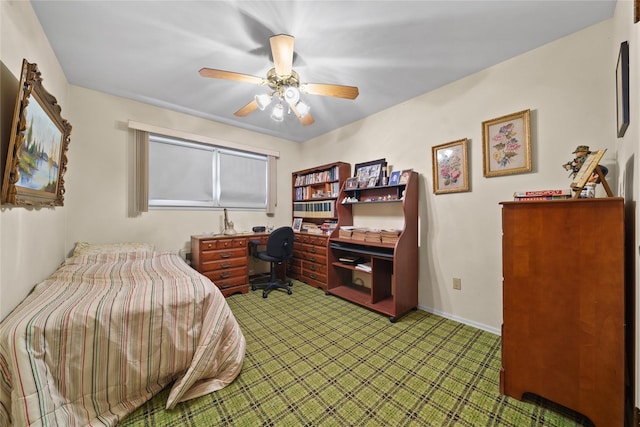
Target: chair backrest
[{"x": 280, "y": 243}]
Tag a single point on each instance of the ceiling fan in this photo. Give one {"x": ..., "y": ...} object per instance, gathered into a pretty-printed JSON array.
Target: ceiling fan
[{"x": 284, "y": 83}]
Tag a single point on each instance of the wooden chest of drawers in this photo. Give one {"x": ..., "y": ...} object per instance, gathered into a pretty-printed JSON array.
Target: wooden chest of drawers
[
  {"x": 223, "y": 259},
  {"x": 309, "y": 262}
]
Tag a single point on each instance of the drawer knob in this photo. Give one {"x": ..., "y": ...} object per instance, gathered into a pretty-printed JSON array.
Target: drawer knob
[
  {"x": 225, "y": 275},
  {"x": 209, "y": 246},
  {"x": 227, "y": 265},
  {"x": 225, "y": 255}
]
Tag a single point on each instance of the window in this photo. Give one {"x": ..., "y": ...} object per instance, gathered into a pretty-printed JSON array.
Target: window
[{"x": 196, "y": 175}]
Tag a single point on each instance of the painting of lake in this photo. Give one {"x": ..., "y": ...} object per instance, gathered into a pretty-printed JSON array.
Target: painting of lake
[{"x": 40, "y": 151}]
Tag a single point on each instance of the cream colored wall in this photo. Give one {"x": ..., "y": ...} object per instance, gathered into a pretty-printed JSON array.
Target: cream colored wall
[
  {"x": 628, "y": 147},
  {"x": 32, "y": 242},
  {"x": 99, "y": 177},
  {"x": 569, "y": 87}
]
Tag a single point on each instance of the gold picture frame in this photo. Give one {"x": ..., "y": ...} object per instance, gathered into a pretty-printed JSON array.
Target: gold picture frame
[
  {"x": 37, "y": 153},
  {"x": 450, "y": 167},
  {"x": 506, "y": 144}
]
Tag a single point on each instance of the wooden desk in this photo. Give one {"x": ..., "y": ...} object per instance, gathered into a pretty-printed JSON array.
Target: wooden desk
[{"x": 224, "y": 259}]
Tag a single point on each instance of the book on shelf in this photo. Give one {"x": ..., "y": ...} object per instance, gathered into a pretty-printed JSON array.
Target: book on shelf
[
  {"x": 350, "y": 259},
  {"x": 365, "y": 266},
  {"x": 372, "y": 236},
  {"x": 390, "y": 236},
  {"x": 359, "y": 233},
  {"x": 540, "y": 193},
  {"x": 537, "y": 198}
]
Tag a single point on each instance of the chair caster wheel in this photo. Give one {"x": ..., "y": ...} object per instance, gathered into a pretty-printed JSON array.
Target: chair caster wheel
[
  {"x": 253, "y": 288},
  {"x": 264, "y": 294},
  {"x": 289, "y": 291}
]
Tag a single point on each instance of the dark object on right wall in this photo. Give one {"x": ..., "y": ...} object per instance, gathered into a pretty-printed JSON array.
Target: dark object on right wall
[{"x": 622, "y": 89}]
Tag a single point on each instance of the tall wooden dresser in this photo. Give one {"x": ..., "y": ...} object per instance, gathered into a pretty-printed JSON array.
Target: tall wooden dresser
[{"x": 564, "y": 305}]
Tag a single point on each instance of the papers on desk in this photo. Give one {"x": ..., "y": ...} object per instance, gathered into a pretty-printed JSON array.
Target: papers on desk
[{"x": 366, "y": 266}]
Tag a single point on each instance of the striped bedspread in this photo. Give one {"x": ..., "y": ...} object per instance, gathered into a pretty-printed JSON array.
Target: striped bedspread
[{"x": 106, "y": 332}]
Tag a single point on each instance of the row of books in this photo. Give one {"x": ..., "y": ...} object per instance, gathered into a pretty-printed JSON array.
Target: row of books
[
  {"x": 318, "y": 177},
  {"x": 535, "y": 195},
  {"x": 369, "y": 235},
  {"x": 323, "y": 209},
  {"x": 304, "y": 193}
]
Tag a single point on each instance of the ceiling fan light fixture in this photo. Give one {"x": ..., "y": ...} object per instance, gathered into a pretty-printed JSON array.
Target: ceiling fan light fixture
[
  {"x": 278, "y": 113},
  {"x": 291, "y": 95},
  {"x": 263, "y": 100},
  {"x": 302, "y": 108}
]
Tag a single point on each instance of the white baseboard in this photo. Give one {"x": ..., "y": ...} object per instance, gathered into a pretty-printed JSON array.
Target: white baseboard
[{"x": 495, "y": 331}]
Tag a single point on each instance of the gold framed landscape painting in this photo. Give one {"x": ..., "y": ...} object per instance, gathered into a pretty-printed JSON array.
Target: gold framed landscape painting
[
  {"x": 37, "y": 153},
  {"x": 450, "y": 167},
  {"x": 506, "y": 144}
]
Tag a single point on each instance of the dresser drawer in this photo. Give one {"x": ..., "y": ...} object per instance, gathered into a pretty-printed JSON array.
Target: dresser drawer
[
  {"x": 314, "y": 279},
  {"x": 224, "y": 264},
  {"x": 223, "y": 254},
  {"x": 227, "y": 274},
  {"x": 314, "y": 267},
  {"x": 232, "y": 282},
  {"x": 212, "y": 244}
]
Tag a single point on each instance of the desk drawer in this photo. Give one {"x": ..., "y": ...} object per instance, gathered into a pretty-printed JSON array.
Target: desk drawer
[
  {"x": 230, "y": 283},
  {"x": 212, "y": 244},
  {"x": 314, "y": 267},
  {"x": 219, "y": 255},
  {"x": 227, "y": 274},
  {"x": 314, "y": 279},
  {"x": 224, "y": 264}
]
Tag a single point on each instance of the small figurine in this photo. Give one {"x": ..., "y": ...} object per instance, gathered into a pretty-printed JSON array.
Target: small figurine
[{"x": 581, "y": 155}]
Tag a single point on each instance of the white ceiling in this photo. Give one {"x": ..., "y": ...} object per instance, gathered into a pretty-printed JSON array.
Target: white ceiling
[{"x": 151, "y": 51}]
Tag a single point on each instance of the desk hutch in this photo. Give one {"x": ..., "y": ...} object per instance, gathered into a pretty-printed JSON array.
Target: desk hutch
[{"x": 394, "y": 266}]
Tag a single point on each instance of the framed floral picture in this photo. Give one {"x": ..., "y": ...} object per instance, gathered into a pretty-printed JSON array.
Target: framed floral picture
[
  {"x": 506, "y": 144},
  {"x": 450, "y": 167}
]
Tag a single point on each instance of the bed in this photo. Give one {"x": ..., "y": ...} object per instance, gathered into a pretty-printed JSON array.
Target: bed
[{"x": 107, "y": 331}]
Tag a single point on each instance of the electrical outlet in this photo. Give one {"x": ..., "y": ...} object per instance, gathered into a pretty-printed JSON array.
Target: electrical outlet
[{"x": 457, "y": 283}]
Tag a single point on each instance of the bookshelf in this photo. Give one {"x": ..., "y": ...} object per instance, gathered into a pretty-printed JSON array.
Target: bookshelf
[
  {"x": 393, "y": 271},
  {"x": 315, "y": 191}
]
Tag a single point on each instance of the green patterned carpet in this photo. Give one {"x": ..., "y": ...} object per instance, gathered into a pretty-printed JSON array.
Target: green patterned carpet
[{"x": 317, "y": 360}]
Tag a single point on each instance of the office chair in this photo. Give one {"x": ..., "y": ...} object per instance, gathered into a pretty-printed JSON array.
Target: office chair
[{"x": 279, "y": 250}]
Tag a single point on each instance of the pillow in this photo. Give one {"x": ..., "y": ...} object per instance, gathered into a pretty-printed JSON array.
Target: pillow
[{"x": 84, "y": 248}]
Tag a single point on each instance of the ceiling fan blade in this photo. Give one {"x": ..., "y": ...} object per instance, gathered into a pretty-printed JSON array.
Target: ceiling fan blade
[
  {"x": 247, "y": 109},
  {"x": 230, "y": 75},
  {"x": 282, "y": 51},
  {"x": 338, "y": 91},
  {"x": 306, "y": 120}
]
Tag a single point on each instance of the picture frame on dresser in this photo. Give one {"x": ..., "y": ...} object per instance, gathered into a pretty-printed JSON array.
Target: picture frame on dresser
[
  {"x": 506, "y": 144},
  {"x": 450, "y": 167},
  {"x": 297, "y": 224},
  {"x": 36, "y": 158}
]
